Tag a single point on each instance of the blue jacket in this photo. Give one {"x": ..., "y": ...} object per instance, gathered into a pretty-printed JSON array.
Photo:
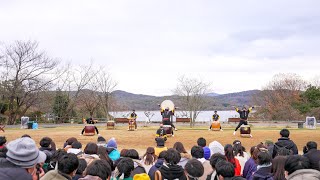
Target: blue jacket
[
  {"x": 249, "y": 168},
  {"x": 155, "y": 167},
  {"x": 206, "y": 152}
]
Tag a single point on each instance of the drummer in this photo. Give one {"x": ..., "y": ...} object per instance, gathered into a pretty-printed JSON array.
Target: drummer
[
  {"x": 161, "y": 133},
  {"x": 166, "y": 118},
  {"x": 134, "y": 116},
  {"x": 215, "y": 117},
  {"x": 90, "y": 121}
]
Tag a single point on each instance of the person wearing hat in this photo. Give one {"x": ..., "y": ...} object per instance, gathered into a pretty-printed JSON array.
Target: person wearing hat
[
  {"x": 142, "y": 176},
  {"x": 244, "y": 113},
  {"x": 21, "y": 160},
  {"x": 112, "y": 150},
  {"x": 133, "y": 116}
]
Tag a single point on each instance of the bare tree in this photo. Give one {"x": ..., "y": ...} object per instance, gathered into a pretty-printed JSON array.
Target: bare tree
[
  {"x": 192, "y": 93},
  {"x": 105, "y": 86},
  {"x": 279, "y": 96},
  {"x": 26, "y": 72}
]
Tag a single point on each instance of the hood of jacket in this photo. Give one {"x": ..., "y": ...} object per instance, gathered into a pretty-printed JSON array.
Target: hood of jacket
[
  {"x": 159, "y": 163},
  {"x": 172, "y": 171},
  {"x": 216, "y": 147},
  {"x": 310, "y": 174}
]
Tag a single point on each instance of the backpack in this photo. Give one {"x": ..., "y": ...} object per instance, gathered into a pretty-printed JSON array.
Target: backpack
[{"x": 283, "y": 150}]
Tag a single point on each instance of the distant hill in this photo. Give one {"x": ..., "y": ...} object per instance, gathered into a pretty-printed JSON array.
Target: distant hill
[{"x": 216, "y": 101}]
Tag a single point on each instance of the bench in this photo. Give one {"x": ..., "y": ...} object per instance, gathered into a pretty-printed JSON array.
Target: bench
[
  {"x": 235, "y": 120},
  {"x": 183, "y": 120},
  {"x": 121, "y": 120}
]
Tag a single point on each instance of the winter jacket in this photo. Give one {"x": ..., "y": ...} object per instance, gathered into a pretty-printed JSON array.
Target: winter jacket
[
  {"x": 55, "y": 175},
  {"x": 237, "y": 168},
  {"x": 172, "y": 171},
  {"x": 284, "y": 142},
  {"x": 207, "y": 152},
  {"x": 89, "y": 177},
  {"x": 242, "y": 160},
  {"x": 263, "y": 173},
  {"x": 75, "y": 151},
  {"x": 10, "y": 171},
  {"x": 249, "y": 168},
  {"x": 314, "y": 157},
  {"x": 308, "y": 174},
  {"x": 138, "y": 168},
  {"x": 184, "y": 159},
  {"x": 154, "y": 168}
]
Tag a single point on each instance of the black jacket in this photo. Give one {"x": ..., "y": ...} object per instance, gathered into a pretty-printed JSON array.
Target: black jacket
[
  {"x": 10, "y": 171},
  {"x": 263, "y": 173},
  {"x": 314, "y": 157},
  {"x": 154, "y": 168},
  {"x": 172, "y": 172},
  {"x": 284, "y": 142}
]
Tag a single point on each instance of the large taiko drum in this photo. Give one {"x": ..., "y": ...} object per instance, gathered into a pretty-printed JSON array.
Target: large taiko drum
[
  {"x": 131, "y": 125},
  {"x": 110, "y": 125},
  {"x": 168, "y": 129},
  {"x": 167, "y": 104},
  {"x": 89, "y": 130},
  {"x": 245, "y": 131},
  {"x": 215, "y": 126}
]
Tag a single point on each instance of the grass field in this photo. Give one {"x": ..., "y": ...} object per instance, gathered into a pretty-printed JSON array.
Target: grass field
[{"x": 144, "y": 136}]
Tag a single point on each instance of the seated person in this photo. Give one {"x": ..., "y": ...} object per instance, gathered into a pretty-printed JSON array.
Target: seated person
[
  {"x": 166, "y": 118},
  {"x": 161, "y": 133},
  {"x": 170, "y": 169},
  {"x": 90, "y": 121}
]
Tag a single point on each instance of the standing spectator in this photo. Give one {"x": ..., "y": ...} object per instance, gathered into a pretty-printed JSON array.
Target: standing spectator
[
  {"x": 284, "y": 143},
  {"x": 313, "y": 155},
  {"x": 264, "y": 167},
  {"x": 203, "y": 143},
  {"x": 297, "y": 167},
  {"x": 194, "y": 169},
  {"x": 277, "y": 168},
  {"x": 214, "y": 159},
  {"x": 80, "y": 170},
  {"x": 67, "y": 167},
  {"x": 21, "y": 159},
  {"x": 124, "y": 169},
  {"x": 148, "y": 159},
  {"x": 185, "y": 156},
  {"x": 158, "y": 164},
  {"x": 197, "y": 153},
  {"x": 138, "y": 168},
  {"x": 112, "y": 150},
  {"x": 160, "y": 146},
  {"x": 98, "y": 170},
  {"x": 228, "y": 150},
  {"x": 170, "y": 169}
]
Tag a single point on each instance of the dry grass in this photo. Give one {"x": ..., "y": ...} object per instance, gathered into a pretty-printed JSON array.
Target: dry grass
[{"x": 144, "y": 137}]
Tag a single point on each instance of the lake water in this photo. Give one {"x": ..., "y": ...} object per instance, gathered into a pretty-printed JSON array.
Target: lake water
[{"x": 204, "y": 116}]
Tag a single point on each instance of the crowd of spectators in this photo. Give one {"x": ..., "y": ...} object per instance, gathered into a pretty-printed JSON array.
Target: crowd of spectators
[{"x": 21, "y": 159}]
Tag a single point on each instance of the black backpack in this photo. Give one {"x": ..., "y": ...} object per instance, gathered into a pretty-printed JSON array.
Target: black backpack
[{"x": 283, "y": 150}]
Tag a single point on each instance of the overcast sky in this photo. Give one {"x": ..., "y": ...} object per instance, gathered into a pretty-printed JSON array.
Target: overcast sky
[{"x": 147, "y": 45}]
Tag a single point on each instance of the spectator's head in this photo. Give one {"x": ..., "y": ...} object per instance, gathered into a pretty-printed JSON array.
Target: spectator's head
[
  {"x": 264, "y": 158},
  {"x": 24, "y": 153},
  {"x": 76, "y": 145},
  {"x": 100, "y": 168},
  {"x": 149, "y": 156},
  {"x": 197, "y": 152},
  {"x": 162, "y": 154},
  {"x": 45, "y": 142},
  {"x": 101, "y": 141},
  {"x": 202, "y": 142},
  {"x": 82, "y": 166},
  {"x": 259, "y": 148},
  {"x": 224, "y": 169},
  {"x": 3, "y": 141},
  {"x": 194, "y": 169},
  {"x": 112, "y": 143},
  {"x": 179, "y": 147},
  {"x": 296, "y": 162},
  {"x": 277, "y": 168},
  {"x": 55, "y": 157},
  {"x": 91, "y": 148},
  {"x": 238, "y": 149},
  {"x": 68, "y": 164},
  {"x": 238, "y": 142},
  {"x": 284, "y": 133},
  {"x": 228, "y": 151},
  {"x": 123, "y": 152},
  {"x": 132, "y": 153},
  {"x": 124, "y": 167},
  {"x": 216, "y": 147},
  {"x": 70, "y": 141},
  {"x": 312, "y": 145},
  {"x": 26, "y": 135},
  {"x": 172, "y": 156},
  {"x": 268, "y": 143},
  {"x": 215, "y": 158}
]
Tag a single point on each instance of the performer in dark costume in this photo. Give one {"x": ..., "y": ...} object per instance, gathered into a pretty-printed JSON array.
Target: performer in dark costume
[
  {"x": 90, "y": 121},
  {"x": 215, "y": 117},
  {"x": 134, "y": 116},
  {"x": 166, "y": 118},
  {"x": 161, "y": 133},
  {"x": 244, "y": 113}
]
